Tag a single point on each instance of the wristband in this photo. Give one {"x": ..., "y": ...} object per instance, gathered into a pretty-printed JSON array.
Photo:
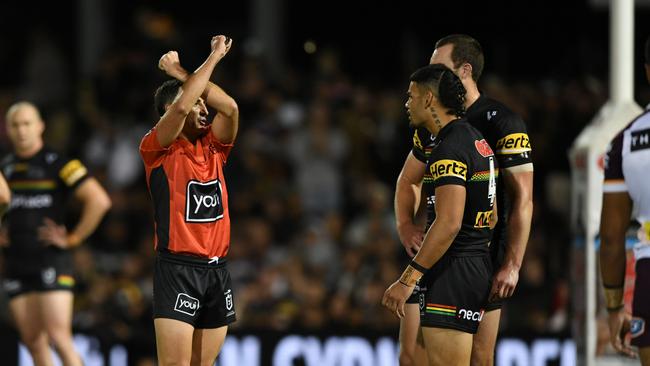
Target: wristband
[
  {"x": 73, "y": 240},
  {"x": 412, "y": 274},
  {"x": 420, "y": 268},
  {"x": 614, "y": 298}
]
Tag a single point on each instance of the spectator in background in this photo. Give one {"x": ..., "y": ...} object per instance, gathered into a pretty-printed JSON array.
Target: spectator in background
[{"x": 38, "y": 276}]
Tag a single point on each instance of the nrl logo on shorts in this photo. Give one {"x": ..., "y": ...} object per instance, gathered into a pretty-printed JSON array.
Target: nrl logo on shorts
[
  {"x": 228, "y": 296},
  {"x": 186, "y": 304}
]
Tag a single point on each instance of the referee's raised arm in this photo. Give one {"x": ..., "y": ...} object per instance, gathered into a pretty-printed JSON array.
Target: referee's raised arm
[{"x": 171, "y": 123}]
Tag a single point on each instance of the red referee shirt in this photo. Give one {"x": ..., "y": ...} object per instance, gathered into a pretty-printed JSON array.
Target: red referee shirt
[{"x": 188, "y": 190}]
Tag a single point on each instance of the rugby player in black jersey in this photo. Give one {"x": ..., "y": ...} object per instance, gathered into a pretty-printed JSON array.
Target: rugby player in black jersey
[
  {"x": 627, "y": 163},
  {"x": 507, "y": 135},
  {"x": 38, "y": 274},
  {"x": 461, "y": 200}
]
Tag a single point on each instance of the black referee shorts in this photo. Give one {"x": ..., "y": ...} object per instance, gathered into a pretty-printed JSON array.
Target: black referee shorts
[
  {"x": 193, "y": 290},
  {"x": 457, "y": 289}
]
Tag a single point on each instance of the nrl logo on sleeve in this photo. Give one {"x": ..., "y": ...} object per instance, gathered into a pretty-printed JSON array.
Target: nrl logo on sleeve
[
  {"x": 515, "y": 143},
  {"x": 186, "y": 304},
  {"x": 448, "y": 168},
  {"x": 203, "y": 201}
]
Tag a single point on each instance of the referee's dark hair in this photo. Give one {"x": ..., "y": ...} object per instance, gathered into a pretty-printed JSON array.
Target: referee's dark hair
[
  {"x": 466, "y": 49},
  {"x": 444, "y": 84},
  {"x": 165, "y": 94}
]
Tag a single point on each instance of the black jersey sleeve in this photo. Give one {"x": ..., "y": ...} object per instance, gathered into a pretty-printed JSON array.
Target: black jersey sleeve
[
  {"x": 449, "y": 164},
  {"x": 420, "y": 138},
  {"x": 70, "y": 171},
  {"x": 513, "y": 145}
]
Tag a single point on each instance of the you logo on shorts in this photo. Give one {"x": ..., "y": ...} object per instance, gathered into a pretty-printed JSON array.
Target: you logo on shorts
[
  {"x": 203, "y": 201},
  {"x": 186, "y": 304}
]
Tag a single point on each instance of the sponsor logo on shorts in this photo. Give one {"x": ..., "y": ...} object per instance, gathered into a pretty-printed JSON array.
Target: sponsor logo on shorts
[
  {"x": 11, "y": 285},
  {"x": 637, "y": 327},
  {"x": 186, "y": 304},
  {"x": 515, "y": 143},
  {"x": 465, "y": 314},
  {"x": 448, "y": 168},
  {"x": 441, "y": 310},
  {"x": 483, "y": 219},
  {"x": 48, "y": 275},
  {"x": 203, "y": 201},
  {"x": 228, "y": 296}
]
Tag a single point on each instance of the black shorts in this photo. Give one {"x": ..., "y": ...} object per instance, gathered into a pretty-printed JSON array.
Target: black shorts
[
  {"x": 193, "y": 290},
  {"x": 457, "y": 289},
  {"x": 641, "y": 305},
  {"x": 22, "y": 277},
  {"x": 417, "y": 297}
]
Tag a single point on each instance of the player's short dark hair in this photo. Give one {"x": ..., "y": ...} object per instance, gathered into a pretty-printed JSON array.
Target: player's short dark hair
[
  {"x": 647, "y": 51},
  {"x": 165, "y": 94},
  {"x": 445, "y": 85},
  {"x": 466, "y": 49}
]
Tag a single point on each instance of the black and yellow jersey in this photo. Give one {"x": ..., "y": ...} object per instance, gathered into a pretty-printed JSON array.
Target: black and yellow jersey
[
  {"x": 506, "y": 133},
  {"x": 460, "y": 155},
  {"x": 40, "y": 186}
]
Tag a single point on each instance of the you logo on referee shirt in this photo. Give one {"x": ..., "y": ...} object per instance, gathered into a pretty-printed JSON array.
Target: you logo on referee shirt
[{"x": 203, "y": 201}]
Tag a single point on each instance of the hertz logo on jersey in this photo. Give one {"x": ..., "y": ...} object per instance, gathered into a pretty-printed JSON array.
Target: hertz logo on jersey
[
  {"x": 515, "y": 143},
  {"x": 448, "y": 168},
  {"x": 483, "y": 219}
]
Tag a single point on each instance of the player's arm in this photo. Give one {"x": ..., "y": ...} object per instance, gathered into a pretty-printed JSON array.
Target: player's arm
[
  {"x": 171, "y": 123},
  {"x": 226, "y": 123},
  {"x": 5, "y": 195},
  {"x": 519, "y": 185},
  {"x": 95, "y": 203},
  {"x": 450, "y": 207},
  {"x": 407, "y": 201},
  {"x": 614, "y": 221}
]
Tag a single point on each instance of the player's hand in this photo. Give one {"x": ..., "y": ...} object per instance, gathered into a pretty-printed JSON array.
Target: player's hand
[
  {"x": 53, "y": 234},
  {"x": 395, "y": 297},
  {"x": 171, "y": 65},
  {"x": 504, "y": 282},
  {"x": 411, "y": 237},
  {"x": 619, "y": 324},
  {"x": 221, "y": 45}
]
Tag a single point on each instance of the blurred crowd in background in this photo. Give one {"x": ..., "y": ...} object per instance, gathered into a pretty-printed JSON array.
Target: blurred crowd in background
[{"x": 311, "y": 179}]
